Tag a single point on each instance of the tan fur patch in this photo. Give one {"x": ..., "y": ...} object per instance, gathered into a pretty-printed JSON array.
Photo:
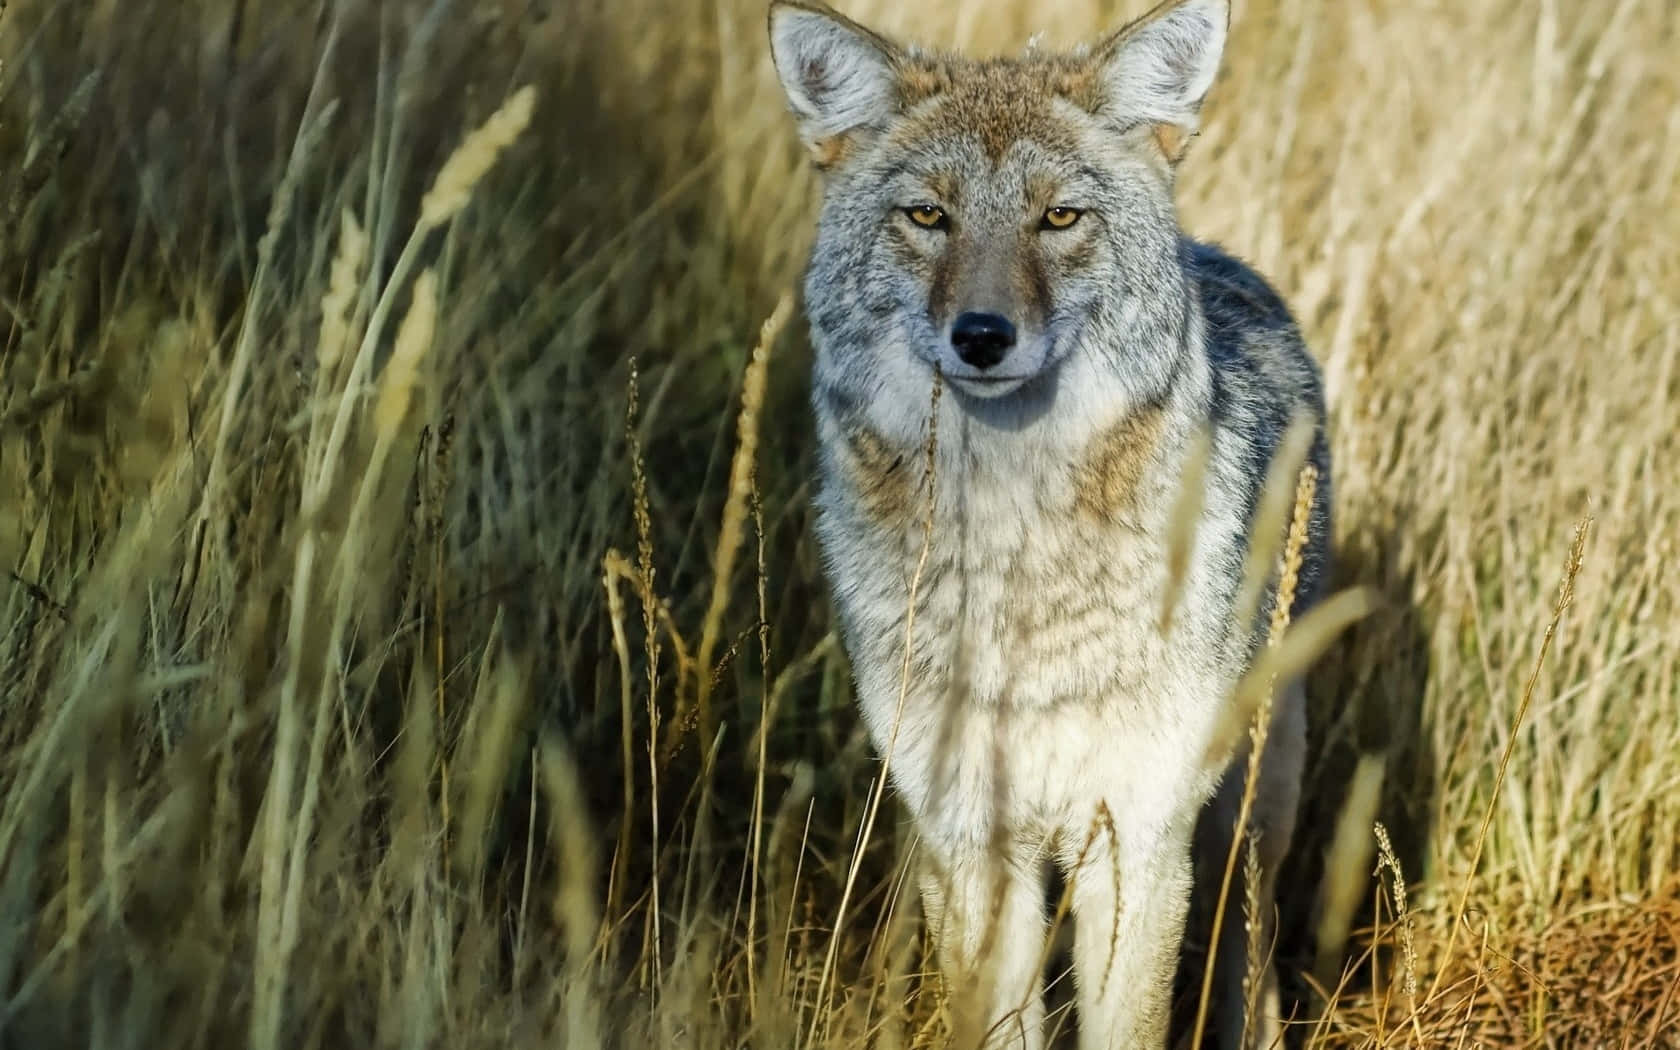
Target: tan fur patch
[
  {"x": 881, "y": 476},
  {"x": 1043, "y": 191},
  {"x": 1032, "y": 284},
  {"x": 827, "y": 153},
  {"x": 942, "y": 285},
  {"x": 919, "y": 83},
  {"x": 1115, "y": 463},
  {"x": 947, "y": 188},
  {"x": 998, "y": 102},
  {"x": 1079, "y": 83},
  {"x": 1173, "y": 141}
]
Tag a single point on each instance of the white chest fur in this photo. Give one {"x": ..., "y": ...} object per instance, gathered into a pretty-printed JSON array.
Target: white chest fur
[{"x": 1036, "y": 666}]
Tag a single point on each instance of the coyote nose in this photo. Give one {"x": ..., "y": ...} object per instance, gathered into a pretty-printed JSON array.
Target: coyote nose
[{"x": 982, "y": 339}]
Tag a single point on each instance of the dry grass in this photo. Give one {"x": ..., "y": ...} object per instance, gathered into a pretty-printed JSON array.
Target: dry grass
[{"x": 321, "y": 728}]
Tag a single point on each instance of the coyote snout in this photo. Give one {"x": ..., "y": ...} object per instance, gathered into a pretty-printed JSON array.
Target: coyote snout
[
  {"x": 1006, "y": 226},
  {"x": 982, "y": 272},
  {"x": 982, "y": 340}
]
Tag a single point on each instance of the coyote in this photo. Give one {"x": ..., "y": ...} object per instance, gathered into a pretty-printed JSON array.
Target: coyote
[{"x": 1018, "y": 352}]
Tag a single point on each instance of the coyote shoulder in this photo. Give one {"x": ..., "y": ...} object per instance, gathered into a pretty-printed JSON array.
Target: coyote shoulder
[{"x": 1017, "y": 352}]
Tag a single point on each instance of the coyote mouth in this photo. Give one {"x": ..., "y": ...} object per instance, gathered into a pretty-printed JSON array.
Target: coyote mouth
[
  {"x": 989, "y": 387},
  {"x": 1024, "y": 365}
]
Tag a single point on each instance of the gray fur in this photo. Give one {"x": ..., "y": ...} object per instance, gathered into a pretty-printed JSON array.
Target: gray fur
[{"x": 1045, "y": 718}]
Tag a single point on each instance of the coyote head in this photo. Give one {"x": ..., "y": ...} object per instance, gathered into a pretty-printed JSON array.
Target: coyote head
[{"x": 1006, "y": 221}]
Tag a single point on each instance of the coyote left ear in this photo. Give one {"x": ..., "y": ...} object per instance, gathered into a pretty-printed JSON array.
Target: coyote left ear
[
  {"x": 838, "y": 76},
  {"x": 1157, "y": 70}
]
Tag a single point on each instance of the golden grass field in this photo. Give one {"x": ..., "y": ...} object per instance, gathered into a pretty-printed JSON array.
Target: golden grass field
[{"x": 357, "y": 628}]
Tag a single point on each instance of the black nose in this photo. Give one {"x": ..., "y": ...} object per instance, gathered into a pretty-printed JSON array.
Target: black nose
[{"x": 982, "y": 339}]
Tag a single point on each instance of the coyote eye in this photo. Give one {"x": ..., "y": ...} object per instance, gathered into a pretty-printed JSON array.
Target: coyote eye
[
  {"x": 1059, "y": 218},
  {"x": 926, "y": 216}
]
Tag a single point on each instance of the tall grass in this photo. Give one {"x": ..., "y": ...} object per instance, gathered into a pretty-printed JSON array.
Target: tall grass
[{"x": 367, "y": 681}]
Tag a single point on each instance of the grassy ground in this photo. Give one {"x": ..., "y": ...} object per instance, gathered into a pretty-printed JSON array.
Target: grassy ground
[{"x": 335, "y": 716}]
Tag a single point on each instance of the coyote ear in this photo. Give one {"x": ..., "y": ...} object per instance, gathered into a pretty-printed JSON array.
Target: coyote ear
[
  {"x": 1158, "y": 69},
  {"x": 838, "y": 75}
]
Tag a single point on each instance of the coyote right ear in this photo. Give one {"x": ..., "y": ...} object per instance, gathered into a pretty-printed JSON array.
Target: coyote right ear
[
  {"x": 838, "y": 75},
  {"x": 1158, "y": 69}
]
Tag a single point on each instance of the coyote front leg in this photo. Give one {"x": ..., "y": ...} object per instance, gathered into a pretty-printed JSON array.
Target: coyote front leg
[
  {"x": 1130, "y": 900},
  {"x": 985, "y": 909}
]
